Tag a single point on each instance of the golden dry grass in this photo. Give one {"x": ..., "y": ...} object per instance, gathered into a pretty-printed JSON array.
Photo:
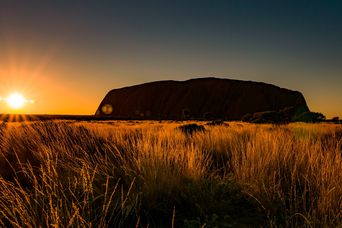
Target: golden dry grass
[{"x": 127, "y": 173}]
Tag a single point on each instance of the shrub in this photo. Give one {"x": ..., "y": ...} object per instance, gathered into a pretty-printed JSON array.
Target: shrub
[
  {"x": 335, "y": 119},
  {"x": 286, "y": 115},
  {"x": 264, "y": 117},
  {"x": 309, "y": 117},
  {"x": 217, "y": 123},
  {"x": 191, "y": 128},
  {"x": 247, "y": 117}
]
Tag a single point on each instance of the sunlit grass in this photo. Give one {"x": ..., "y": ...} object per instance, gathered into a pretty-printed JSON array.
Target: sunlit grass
[{"x": 127, "y": 174}]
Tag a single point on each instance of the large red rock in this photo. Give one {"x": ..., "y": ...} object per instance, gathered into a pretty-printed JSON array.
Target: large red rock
[{"x": 198, "y": 98}]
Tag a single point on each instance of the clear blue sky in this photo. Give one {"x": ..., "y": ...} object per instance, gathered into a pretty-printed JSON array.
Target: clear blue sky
[{"x": 67, "y": 54}]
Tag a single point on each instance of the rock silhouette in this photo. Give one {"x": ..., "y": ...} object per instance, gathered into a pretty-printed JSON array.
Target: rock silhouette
[{"x": 202, "y": 98}]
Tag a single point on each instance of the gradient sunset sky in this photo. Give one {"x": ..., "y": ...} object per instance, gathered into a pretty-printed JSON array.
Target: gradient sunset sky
[{"x": 66, "y": 55}]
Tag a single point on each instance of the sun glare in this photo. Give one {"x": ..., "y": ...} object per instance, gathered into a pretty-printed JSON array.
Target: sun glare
[{"x": 16, "y": 100}]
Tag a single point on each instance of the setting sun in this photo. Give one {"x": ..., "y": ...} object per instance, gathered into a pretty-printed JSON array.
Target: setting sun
[{"x": 15, "y": 100}]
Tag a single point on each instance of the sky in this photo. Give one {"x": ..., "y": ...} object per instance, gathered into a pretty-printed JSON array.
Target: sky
[{"x": 66, "y": 55}]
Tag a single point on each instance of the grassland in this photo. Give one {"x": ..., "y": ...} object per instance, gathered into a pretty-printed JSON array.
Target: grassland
[{"x": 151, "y": 174}]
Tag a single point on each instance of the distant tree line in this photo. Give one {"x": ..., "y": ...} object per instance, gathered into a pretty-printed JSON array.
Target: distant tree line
[{"x": 286, "y": 115}]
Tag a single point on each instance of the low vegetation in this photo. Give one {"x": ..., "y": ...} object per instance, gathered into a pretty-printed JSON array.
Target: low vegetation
[
  {"x": 139, "y": 174},
  {"x": 286, "y": 115}
]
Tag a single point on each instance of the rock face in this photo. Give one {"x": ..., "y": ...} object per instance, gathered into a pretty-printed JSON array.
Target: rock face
[{"x": 202, "y": 98}]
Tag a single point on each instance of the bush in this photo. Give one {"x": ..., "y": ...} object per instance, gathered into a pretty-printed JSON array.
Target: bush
[
  {"x": 335, "y": 119},
  {"x": 309, "y": 117},
  {"x": 247, "y": 118},
  {"x": 265, "y": 117},
  {"x": 286, "y": 115},
  {"x": 217, "y": 123},
  {"x": 191, "y": 128}
]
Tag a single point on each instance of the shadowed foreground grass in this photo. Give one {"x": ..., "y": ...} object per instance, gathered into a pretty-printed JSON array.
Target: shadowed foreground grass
[{"x": 139, "y": 174}]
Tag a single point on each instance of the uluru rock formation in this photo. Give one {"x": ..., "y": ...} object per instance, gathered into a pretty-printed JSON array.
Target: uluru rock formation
[{"x": 201, "y": 98}]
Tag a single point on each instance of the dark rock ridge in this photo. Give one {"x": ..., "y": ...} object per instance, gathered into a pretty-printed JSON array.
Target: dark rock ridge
[{"x": 202, "y": 98}]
